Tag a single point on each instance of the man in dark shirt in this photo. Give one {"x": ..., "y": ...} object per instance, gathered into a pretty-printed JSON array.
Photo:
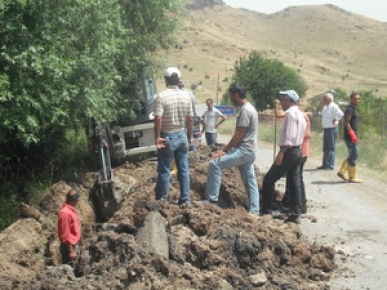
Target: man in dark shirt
[{"x": 351, "y": 118}]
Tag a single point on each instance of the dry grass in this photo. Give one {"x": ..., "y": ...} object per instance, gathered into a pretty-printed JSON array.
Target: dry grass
[{"x": 329, "y": 47}]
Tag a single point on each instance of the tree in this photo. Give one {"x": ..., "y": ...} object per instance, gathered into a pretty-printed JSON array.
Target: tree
[
  {"x": 264, "y": 78},
  {"x": 62, "y": 62},
  {"x": 66, "y": 61}
]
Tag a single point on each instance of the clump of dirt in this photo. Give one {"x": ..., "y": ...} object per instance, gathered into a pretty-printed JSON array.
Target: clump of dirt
[{"x": 210, "y": 246}]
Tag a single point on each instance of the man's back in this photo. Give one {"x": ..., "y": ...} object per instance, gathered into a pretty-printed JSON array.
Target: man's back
[{"x": 174, "y": 105}]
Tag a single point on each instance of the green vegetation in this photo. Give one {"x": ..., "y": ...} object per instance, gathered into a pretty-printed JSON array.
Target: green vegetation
[
  {"x": 8, "y": 209},
  {"x": 60, "y": 65},
  {"x": 264, "y": 78},
  {"x": 373, "y": 130}
]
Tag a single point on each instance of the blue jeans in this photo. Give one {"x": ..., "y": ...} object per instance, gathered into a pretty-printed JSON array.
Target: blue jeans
[
  {"x": 211, "y": 138},
  {"x": 353, "y": 152},
  {"x": 176, "y": 146},
  {"x": 244, "y": 160},
  {"x": 329, "y": 147}
]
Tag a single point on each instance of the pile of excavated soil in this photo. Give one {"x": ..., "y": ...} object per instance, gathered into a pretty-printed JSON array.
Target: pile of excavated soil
[{"x": 196, "y": 246}]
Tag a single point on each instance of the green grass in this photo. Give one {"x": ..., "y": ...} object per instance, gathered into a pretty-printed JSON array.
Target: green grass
[
  {"x": 9, "y": 210},
  {"x": 70, "y": 160}
]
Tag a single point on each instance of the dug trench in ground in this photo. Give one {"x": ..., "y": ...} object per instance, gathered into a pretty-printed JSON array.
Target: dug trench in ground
[{"x": 193, "y": 246}]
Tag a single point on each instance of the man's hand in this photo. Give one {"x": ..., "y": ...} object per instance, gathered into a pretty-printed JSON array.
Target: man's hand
[
  {"x": 278, "y": 158},
  {"x": 218, "y": 154},
  {"x": 352, "y": 136},
  {"x": 72, "y": 253},
  {"x": 160, "y": 143}
]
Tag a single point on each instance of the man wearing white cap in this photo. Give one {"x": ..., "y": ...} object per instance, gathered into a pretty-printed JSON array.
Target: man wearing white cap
[
  {"x": 173, "y": 134},
  {"x": 331, "y": 114},
  {"x": 288, "y": 159}
]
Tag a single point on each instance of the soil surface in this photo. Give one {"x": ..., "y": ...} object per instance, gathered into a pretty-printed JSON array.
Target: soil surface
[
  {"x": 349, "y": 217},
  {"x": 340, "y": 243},
  {"x": 208, "y": 246}
]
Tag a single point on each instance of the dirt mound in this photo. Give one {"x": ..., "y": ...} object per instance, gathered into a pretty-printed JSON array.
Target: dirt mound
[{"x": 210, "y": 247}]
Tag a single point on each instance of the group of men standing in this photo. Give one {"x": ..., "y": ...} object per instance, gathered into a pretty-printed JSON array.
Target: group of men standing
[
  {"x": 174, "y": 112},
  {"x": 173, "y": 134}
]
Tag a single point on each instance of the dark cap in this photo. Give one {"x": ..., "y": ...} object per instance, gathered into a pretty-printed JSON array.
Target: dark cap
[{"x": 237, "y": 88}]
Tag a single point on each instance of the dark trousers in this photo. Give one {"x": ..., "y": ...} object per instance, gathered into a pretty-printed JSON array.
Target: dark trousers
[
  {"x": 64, "y": 252},
  {"x": 287, "y": 199},
  {"x": 290, "y": 166}
]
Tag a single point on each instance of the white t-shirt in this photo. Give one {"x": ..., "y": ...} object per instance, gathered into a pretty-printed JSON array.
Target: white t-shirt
[{"x": 211, "y": 120}]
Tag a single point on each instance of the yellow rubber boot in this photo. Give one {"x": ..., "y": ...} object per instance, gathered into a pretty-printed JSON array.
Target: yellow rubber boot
[
  {"x": 174, "y": 167},
  {"x": 343, "y": 170},
  {"x": 352, "y": 175}
]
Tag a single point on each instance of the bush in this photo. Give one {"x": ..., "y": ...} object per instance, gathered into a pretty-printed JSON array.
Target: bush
[{"x": 8, "y": 209}]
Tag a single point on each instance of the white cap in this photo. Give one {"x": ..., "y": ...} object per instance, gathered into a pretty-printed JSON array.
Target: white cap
[
  {"x": 291, "y": 94},
  {"x": 172, "y": 70}
]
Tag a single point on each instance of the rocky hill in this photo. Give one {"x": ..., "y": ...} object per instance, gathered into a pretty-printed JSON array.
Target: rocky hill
[{"x": 328, "y": 46}]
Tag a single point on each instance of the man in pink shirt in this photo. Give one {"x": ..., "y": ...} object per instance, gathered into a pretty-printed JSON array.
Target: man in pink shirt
[
  {"x": 69, "y": 230},
  {"x": 285, "y": 204},
  {"x": 288, "y": 160}
]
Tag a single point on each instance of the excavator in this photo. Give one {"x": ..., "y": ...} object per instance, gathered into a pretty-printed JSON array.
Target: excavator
[{"x": 131, "y": 135}]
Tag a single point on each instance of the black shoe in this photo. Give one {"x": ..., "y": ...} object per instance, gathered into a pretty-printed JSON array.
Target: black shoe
[
  {"x": 284, "y": 209},
  {"x": 276, "y": 214},
  {"x": 265, "y": 212},
  {"x": 324, "y": 168},
  {"x": 293, "y": 219}
]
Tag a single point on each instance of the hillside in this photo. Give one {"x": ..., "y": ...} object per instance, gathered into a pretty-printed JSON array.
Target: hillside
[{"x": 330, "y": 47}]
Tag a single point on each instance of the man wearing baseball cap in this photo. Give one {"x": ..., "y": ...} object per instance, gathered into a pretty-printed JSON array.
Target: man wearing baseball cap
[
  {"x": 288, "y": 159},
  {"x": 173, "y": 136}
]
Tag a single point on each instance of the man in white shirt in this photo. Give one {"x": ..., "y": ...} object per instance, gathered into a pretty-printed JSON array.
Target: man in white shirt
[
  {"x": 211, "y": 122},
  {"x": 331, "y": 114}
]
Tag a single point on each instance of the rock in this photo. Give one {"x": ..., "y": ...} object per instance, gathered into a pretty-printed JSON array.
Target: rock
[
  {"x": 258, "y": 279},
  {"x": 153, "y": 235},
  {"x": 27, "y": 211}
]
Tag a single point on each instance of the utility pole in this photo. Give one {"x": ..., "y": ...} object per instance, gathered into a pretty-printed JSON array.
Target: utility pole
[{"x": 217, "y": 91}]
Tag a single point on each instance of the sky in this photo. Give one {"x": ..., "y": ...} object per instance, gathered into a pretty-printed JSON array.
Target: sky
[{"x": 376, "y": 9}]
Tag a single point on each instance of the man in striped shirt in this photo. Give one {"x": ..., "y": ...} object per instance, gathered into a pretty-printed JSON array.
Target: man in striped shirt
[{"x": 173, "y": 136}]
